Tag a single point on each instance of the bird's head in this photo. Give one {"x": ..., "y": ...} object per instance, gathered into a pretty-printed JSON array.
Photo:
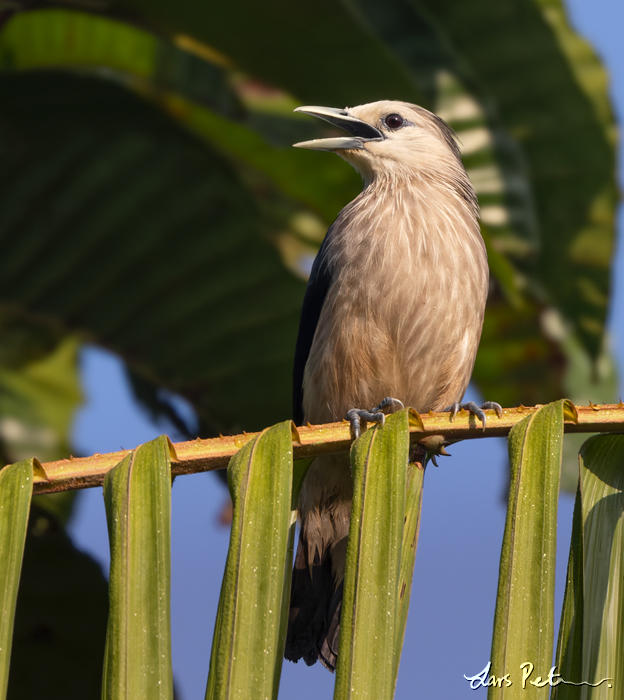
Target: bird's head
[{"x": 387, "y": 137}]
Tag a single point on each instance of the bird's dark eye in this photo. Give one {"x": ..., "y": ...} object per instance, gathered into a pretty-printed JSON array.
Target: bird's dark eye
[{"x": 394, "y": 121}]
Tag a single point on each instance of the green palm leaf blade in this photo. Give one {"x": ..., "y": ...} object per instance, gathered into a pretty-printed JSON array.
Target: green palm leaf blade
[
  {"x": 570, "y": 643},
  {"x": 137, "y": 495},
  {"x": 369, "y": 626},
  {"x": 16, "y": 482},
  {"x": 596, "y": 653},
  {"x": 413, "y": 507},
  {"x": 249, "y": 636},
  {"x": 524, "y": 620}
]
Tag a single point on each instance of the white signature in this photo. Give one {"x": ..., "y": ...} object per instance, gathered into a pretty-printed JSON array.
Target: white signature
[{"x": 484, "y": 679}]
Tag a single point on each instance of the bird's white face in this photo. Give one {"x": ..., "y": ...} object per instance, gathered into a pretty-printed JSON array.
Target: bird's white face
[{"x": 389, "y": 137}]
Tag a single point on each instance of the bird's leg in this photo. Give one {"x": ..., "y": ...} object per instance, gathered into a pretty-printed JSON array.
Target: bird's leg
[
  {"x": 477, "y": 411},
  {"x": 356, "y": 416}
]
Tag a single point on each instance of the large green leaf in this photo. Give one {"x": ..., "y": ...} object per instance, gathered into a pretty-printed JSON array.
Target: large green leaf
[
  {"x": 69, "y": 39},
  {"x": 526, "y": 586},
  {"x": 371, "y": 629},
  {"x": 549, "y": 90},
  {"x": 137, "y": 494},
  {"x": 16, "y": 482},
  {"x": 325, "y": 55},
  {"x": 250, "y": 629},
  {"x": 146, "y": 242}
]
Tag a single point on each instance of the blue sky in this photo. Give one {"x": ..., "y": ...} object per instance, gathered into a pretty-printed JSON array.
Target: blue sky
[{"x": 452, "y": 609}]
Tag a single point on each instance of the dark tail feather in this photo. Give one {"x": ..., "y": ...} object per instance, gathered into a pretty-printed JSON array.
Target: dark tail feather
[
  {"x": 315, "y": 606},
  {"x": 328, "y": 653}
]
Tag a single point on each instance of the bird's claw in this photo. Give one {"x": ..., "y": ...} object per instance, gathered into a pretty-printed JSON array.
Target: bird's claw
[
  {"x": 356, "y": 416},
  {"x": 493, "y": 406},
  {"x": 434, "y": 447},
  {"x": 388, "y": 405},
  {"x": 477, "y": 411}
]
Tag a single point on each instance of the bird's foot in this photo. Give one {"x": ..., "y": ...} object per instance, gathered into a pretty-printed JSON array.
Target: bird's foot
[
  {"x": 357, "y": 416},
  {"x": 477, "y": 411}
]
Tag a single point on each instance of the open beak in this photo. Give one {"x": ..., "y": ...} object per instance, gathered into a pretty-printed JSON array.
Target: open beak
[{"x": 360, "y": 131}]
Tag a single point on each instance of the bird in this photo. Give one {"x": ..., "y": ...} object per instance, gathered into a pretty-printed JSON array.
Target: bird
[{"x": 392, "y": 316}]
